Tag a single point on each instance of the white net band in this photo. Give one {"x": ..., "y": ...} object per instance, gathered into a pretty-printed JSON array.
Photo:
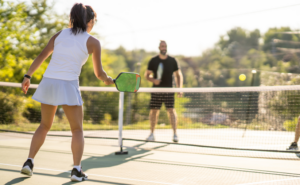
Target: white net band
[{"x": 187, "y": 90}]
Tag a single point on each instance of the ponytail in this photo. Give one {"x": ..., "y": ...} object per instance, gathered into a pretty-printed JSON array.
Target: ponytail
[{"x": 78, "y": 18}]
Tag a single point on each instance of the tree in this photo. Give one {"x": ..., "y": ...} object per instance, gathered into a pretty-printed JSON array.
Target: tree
[
  {"x": 274, "y": 36},
  {"x": 254, "y": 59},
  {"x": 24, "y": 32},
  {"x": 238, "y": 41}
]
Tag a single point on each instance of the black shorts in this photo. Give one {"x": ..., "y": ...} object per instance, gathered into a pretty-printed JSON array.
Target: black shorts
[{"x": 158, "y": 98}]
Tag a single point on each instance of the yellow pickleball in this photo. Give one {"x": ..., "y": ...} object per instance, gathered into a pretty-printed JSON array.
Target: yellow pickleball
[{"x": 242, "y": 77}]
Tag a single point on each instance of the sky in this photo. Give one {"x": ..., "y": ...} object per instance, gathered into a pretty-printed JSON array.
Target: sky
[{"x": 188, "y": 26}]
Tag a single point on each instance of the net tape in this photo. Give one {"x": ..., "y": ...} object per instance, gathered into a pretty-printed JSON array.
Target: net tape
[{"x": 187, "y": 90}]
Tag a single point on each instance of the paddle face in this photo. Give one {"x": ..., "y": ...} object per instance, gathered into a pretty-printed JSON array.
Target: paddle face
[
  {"x": 128, "y": 82},
  {"x": 160, "y": 70}
]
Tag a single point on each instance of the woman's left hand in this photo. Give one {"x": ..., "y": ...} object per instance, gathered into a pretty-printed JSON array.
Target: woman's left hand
[{"x": 25, "y": 85}]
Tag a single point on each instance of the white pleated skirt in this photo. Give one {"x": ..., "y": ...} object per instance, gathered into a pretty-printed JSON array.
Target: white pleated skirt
[{"x": 58, "y": 92}]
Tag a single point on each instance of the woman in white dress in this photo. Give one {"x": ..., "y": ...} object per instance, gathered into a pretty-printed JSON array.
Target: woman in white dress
[{"x": 60, "y": 84}]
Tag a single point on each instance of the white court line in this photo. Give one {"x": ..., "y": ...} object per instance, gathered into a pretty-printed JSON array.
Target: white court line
[
  {"x": 94, "y": 175},
  {"x": 263, "y": 182}
]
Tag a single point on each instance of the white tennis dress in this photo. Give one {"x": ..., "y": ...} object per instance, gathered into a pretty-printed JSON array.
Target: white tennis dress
[{"x": 60, "y": 83}]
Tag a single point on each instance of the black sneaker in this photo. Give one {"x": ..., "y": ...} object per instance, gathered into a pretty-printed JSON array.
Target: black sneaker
[
  {"x": 27, "y": 168},
  {"x": 78, "y": 176},
  {"x": 294, "y": 146}
]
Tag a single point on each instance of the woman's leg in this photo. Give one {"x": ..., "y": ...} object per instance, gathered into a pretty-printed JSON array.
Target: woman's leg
[
  {"x": 75, "y": 117},
  {"x": 48, "y": 112}
]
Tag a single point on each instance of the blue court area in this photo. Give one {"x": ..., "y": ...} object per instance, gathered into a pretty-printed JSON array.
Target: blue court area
[{"x": 146, "y": 163}]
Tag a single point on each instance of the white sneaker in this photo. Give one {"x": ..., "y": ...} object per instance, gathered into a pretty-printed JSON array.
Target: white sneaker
[
  {"x": 175, "y": 138},
  {"x": 27, "y": 168},
  {"x": 150, "y": 138}
]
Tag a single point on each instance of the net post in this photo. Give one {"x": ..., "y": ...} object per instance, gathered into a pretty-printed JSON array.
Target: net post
[{"x": 121, "y": 107}]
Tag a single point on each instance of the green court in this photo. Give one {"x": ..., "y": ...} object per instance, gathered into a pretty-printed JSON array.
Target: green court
[{"x": 146, "y": 163}]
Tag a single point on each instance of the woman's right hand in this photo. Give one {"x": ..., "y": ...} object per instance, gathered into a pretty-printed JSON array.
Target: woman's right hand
[{"x": 109, "y": 81}]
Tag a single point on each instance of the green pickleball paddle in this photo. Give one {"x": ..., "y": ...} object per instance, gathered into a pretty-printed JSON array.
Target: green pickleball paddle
[{"x": 128, "y": 82}]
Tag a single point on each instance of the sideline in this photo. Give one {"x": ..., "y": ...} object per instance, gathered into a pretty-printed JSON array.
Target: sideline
[{"x": 263, "y": 182}]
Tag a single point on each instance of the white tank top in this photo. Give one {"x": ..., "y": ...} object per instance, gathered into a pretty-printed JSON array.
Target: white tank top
[{"x": 69, "y": 55}]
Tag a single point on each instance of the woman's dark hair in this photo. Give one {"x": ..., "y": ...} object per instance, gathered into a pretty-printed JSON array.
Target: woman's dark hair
[
  {"x": 80, "y": 15},
  {"x": 91, "y": 14}
]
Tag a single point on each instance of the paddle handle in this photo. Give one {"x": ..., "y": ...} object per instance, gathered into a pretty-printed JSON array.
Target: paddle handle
[{"x": 114, "y": 80}]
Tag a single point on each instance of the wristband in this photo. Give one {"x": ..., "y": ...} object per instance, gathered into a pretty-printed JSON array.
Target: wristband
[{"x": 27, "y": 76}]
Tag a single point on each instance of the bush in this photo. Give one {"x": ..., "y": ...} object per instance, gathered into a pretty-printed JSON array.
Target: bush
[
  {"x": 97, "y": 104},
  {"x": 32, "y": 110},
  {"x": 11, "y": 108},
  {"x": 290, "y": 125}
]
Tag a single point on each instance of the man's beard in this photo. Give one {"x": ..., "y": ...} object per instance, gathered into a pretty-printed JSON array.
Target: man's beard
[{"x": 163, "y": 52}]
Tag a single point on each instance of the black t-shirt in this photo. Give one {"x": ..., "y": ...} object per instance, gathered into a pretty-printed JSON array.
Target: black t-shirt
[{"x": 169, "y": 67}]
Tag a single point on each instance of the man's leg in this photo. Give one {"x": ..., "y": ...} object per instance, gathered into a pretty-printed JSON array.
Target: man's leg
[
  {"x": 173, "y": 119},
  {"x": 297, "y": 131},
  {"x": 155, "y": 105},
  {"x": 294, "y": 145},
  {"x": 169, "y": 103},
  {"x": 153, "y": 117}
]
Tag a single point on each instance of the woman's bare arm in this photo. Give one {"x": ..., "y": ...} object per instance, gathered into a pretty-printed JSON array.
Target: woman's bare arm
[
  {"x": 94, "y": 48},
  {"x": 38, "y": 61},
  {"x": 47, "y": 51}
]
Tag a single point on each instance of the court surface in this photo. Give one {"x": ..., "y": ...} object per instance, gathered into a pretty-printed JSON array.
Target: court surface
[{"x": 146, "y": 163}]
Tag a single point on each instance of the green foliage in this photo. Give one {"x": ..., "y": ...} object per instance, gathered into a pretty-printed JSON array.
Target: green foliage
[
  {"x": 290, "y": 125},
  {"x": 238, "y": 41},
  {"x": 254, "y": 59},
  {"x": 94, "y": 103},
  {"x": 24, "y": 32},
  {"x": 278, "y": 33},
  {"x": 32, "y": 110},
  {"x": 11, "y": 108},
  {"x": 180, "y": 104}
]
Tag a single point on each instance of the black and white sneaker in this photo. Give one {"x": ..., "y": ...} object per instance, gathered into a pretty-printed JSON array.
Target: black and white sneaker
[
  {"x": 27, "y": 168},
  {"x": 78, "y": 176},
  {"x": 294, "y": 146}
]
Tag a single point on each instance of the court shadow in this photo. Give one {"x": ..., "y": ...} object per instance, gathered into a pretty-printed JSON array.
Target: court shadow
[
  {"x": 65, "y": 175},
  {"x": 112, "y": 160},
  {"x": 91, "y": 180},
  {"x": 16, "y": 180}
]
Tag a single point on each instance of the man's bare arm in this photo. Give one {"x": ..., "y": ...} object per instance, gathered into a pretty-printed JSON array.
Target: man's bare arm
[
  {"x": 178, "y": 78},
  {"x": 151, "y": 79}
]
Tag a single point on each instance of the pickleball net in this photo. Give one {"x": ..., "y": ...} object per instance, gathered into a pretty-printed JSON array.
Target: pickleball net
[{"x": 243, "y": 121}]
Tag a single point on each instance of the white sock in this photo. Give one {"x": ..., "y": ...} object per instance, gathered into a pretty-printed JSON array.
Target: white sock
[
  {"x": 31, "y": 160},
  {"x": 78, "y": 168}
]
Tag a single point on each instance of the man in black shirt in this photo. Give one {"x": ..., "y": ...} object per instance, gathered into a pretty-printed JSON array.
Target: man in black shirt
[{"x": 162, "y": 68}]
